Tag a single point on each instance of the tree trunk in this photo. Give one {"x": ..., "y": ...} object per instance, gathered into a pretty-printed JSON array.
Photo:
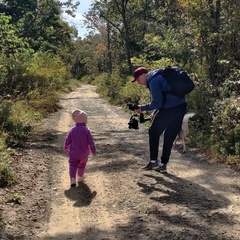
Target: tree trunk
[{"x": 109, "y": 52}]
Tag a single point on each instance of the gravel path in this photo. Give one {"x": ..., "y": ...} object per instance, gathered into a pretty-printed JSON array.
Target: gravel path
[{"x": 197, "y": 199}]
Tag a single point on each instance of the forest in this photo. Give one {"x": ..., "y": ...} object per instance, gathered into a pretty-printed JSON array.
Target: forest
[{"x": 42, "y": 57}]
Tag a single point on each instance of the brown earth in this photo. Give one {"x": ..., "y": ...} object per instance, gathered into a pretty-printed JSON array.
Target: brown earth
[{"x": 197, "y": 199}]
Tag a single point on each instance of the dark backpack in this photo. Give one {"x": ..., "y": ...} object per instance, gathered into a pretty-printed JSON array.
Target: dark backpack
[{"x": 180, "y": 82}]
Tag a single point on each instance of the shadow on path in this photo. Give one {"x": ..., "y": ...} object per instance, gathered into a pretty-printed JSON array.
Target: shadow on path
[{"x": 82, "y": 195}]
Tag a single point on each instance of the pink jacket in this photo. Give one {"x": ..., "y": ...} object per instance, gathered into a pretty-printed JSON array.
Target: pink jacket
[{"x": 79, "y": 141}]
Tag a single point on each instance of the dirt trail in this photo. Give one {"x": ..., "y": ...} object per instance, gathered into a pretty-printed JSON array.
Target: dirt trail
[{"x": 197, "y": 199}]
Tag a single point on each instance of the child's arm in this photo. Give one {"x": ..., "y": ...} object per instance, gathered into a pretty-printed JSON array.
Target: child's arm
[
  {"x": 91, "y": 143},
  {"x": 67, "y": 143}
]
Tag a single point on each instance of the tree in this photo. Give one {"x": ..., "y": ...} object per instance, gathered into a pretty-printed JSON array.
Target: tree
[
  {"x": 15, "y": 55},
  {"x": 88, "y": 57},
  {"x": 41, "y": 21},
  {"x": 114, "y": 14}
]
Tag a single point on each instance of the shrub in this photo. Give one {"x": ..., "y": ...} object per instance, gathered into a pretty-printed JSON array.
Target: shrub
[
  {"x": 226, "y": 127},
  {"x": 7, "y": 176},
  {"x": 16, "y": 198},
  {"x": 44, "y": 103},
  {"x": 5, "y": 110},
  {"x": 109, "y": 86},
  {"x": 47, "y": 71},
  {"x": 133, "y": 93},
  {"x": 16, "y": 122}
]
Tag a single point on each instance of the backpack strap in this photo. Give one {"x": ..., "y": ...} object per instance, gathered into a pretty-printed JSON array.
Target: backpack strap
[
  {"x": 158, "y": 72},
  {"x": 164, "y": 93}
]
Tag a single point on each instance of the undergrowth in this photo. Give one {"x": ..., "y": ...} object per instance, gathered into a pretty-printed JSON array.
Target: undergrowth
[{"x": 18, "y": 118}]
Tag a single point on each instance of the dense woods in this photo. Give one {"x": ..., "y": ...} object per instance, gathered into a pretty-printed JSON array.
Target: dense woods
[{"x": 40, "y": 55}]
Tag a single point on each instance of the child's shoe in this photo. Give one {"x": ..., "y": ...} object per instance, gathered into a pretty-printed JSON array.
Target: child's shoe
[
  {"x": 81, "y": 179},
  {"x": 73, "y": 182}
]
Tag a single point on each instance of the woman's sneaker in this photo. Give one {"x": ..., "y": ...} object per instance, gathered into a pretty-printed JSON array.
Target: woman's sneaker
[
  {"x": 151, "y": 166},
  {"x": 163, "y": 168}
]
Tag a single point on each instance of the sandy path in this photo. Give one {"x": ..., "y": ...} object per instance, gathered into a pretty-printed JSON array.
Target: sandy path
[{"x": 196, "y": 200}]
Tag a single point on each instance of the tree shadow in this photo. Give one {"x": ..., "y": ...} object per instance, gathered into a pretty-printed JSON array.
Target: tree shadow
[{"x": 193, "y": 198}]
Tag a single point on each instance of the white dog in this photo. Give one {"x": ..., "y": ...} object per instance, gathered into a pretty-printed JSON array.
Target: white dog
[{"x": 185, "y": 130}]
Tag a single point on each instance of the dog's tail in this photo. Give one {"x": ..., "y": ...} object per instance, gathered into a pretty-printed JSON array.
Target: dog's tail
[
  {"x": 185, "y": 121},
  {"x": 187, "y": 116}
]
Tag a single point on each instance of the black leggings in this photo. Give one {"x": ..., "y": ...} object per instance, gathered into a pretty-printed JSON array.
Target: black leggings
[{"x": 170, "y": 121}]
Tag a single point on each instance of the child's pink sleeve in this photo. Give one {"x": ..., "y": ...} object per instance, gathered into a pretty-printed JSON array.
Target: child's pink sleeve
[
  {"x": 67, "y": 142},
  {"x": 91, "y": 143}
]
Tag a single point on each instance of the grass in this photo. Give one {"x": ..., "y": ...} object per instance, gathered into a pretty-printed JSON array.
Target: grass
[{"x": 16, "y": 198}]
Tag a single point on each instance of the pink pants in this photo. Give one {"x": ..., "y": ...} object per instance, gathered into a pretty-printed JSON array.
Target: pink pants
[{"x": 77, "y": 165}]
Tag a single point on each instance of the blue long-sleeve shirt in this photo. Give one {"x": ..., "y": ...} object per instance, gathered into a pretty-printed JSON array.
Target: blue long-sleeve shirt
[{"x": 159, "y": 87}]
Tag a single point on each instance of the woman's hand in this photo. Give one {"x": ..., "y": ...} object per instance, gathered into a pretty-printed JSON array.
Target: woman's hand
[{"x": 138, "y": 110}]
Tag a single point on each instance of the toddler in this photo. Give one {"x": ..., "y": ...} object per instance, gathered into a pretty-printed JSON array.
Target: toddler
[{"x": 77, "y": 144}]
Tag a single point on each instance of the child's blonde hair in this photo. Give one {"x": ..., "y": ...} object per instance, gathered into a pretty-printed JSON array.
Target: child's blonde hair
[{"x": 79, "y": 116}]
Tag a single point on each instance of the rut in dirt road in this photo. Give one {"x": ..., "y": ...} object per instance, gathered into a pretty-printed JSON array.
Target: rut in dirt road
[{"x": 197, "y": 199}]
